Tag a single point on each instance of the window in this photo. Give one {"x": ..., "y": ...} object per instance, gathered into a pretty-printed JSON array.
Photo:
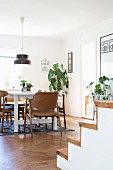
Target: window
[{"x": 10, "y": 74}]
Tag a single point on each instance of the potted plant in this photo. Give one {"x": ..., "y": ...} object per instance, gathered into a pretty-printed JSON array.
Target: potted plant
[
  {"x": 22, "y": 83},
  {"x": 58, "y": 78},
  {"x": 99, "y": 93},
  {"x": 100, "y": 90},
  {"x": 106, "y": 85},
  {"x": 29, "y": 85}
]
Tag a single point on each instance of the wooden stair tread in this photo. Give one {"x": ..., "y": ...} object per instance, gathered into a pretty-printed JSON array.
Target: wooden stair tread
[
  {"x": 74, "y": 141},
  {"x": 63, "y": 153},
  {"x": 103, "y": 103},
  {"x": 88, "y": 125}
]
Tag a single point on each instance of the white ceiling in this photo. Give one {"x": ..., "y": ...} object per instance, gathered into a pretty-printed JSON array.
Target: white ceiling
[{"x": 53, "y": 18}]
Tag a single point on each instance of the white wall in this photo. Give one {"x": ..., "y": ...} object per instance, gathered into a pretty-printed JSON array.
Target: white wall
[
  {"x": 38, "y": 49},
  {"x": 73, "y": 43}
]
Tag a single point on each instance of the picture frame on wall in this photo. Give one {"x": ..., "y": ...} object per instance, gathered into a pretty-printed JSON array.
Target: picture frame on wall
[
  {"x": 106, "y": 55},
  {"x": 45, "y": 66},
  {"x": 104, "y": 46},
  {"x": 70, "y": 62},
  {"x": 111, "y": 45}
]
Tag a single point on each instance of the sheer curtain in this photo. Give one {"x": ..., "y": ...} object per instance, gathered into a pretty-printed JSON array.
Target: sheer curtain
[{"x": 10, "y": 74}]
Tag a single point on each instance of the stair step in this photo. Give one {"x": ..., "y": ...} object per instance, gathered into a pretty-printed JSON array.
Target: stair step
[
  {"x": 74, "y": 141},
  {"x": 63, "y": 153},
  {"x": 88, "y": 125}
]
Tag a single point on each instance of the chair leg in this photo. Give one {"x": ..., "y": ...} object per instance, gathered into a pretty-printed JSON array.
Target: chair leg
[
  {"x": 2, "y": 121},
  {"x": 31, "y": 127},
  {"x": 94, "y": 111},
  {"x": 60, "y": 125},
  {"x": 23, "y": 113},
  {"x": 6, "y": 116},
  {"x": 94, "y": 115},
  {"x": 11, "y": 118},
  {"x": 46, "y": 124},
  {"x": 18, "y": 118},
  {"x": 39, "y": 123},
  {"x": 24, "y": 124},
  {"x": 52, "y": 122},
  {"x": 64, "y": 120}
]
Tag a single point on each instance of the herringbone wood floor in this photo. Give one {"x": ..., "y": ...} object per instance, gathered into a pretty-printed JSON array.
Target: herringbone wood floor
[{"x": 19, "y": 152}]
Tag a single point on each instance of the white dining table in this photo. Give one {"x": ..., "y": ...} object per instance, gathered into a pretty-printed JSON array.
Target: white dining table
[{"x": 23, "y": 95}]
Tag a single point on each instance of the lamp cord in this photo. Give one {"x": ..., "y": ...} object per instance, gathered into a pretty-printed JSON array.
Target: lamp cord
[{"x": 22, "y": 21}]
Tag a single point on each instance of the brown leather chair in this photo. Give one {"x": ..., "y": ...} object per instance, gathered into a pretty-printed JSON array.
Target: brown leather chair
[
  {"x": 4, "y": 109},
  {"x": 43, "y": 104}
]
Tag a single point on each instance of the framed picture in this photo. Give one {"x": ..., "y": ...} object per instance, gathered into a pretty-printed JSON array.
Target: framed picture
[
  {"x": 106, "y": 43},
  {"x": 105, "y": 46},
  {"x": 111, "y": 45},
  {"x": 45, "y": 65},
  {"x": 70, "y": 62},
  {"x": 106, "y": 55}
]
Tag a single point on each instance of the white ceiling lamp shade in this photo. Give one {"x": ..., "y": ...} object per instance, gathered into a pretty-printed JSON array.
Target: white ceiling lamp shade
[{"x": 22, "y": 58}]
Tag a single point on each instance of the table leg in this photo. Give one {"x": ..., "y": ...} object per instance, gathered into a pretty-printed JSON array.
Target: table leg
[
  {"x": 55, "y": 123},
  {"x": 15, "y": 113}
]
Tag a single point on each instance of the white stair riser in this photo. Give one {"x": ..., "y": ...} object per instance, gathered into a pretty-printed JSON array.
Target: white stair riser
[
  {"x": 105, "y": 119},
  {"x": 97, "y": 139},
  {"x": 63, "y": 163},
  {"x": 96, "y": 152},
  {"x": 85, "y": 160}
]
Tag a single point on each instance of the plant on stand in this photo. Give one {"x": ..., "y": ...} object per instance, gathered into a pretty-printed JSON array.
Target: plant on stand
[
  {"x": 29, "y": 85},
  {"x": 58, "y": 78}
]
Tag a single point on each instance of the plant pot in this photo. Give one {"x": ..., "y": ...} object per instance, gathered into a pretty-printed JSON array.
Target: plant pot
[
  {"x": 108, "y": 92},
  {"x": 28, "y": 88},
  {"x": 110, "y": 98},
  {"x": 102, "y": 97},
  {"x": 60, "y": 93},
  {"x": 97, "y": 97}
]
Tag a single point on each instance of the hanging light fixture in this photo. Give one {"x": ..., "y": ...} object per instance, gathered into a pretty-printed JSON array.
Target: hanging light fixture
[{"x": 22, "y": 58}]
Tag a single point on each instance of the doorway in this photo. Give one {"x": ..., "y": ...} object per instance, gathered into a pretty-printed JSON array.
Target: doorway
[{"x": 88, "y": 53}]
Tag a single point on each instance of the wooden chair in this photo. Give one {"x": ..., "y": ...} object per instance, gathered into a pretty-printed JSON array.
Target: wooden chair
[
  {"x": 4, "y": 109},
  {"x": 21, "y": 106},
  {"x": 62, "y": 109},
  {"x": 43, "y": 104}
]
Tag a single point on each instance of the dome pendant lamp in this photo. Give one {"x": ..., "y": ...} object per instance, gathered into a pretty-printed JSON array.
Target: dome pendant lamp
[{"x": 22, "y": 58}]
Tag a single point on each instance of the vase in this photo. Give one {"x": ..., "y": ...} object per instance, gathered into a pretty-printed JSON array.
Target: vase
[{"x": 23, "y": 85}]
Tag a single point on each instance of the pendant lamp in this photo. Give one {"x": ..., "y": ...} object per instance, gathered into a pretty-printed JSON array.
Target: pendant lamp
[{"x": 22, "y": 58}]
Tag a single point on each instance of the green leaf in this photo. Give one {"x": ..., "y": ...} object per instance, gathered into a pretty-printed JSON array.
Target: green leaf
[
  {"x": 50, "y": 87},
  {"x": 55, "y": 66},
  {"x": 91, "y": 83}
]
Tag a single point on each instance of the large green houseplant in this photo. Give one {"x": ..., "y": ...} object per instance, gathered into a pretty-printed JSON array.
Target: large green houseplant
[{"x": 58, "y": 78}]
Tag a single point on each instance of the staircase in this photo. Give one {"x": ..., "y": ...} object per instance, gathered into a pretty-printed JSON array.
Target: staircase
[{"x": 94, "y": 149}]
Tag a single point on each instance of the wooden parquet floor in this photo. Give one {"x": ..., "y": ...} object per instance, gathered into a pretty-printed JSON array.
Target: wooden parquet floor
[{"x": 20, "y": 152}]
